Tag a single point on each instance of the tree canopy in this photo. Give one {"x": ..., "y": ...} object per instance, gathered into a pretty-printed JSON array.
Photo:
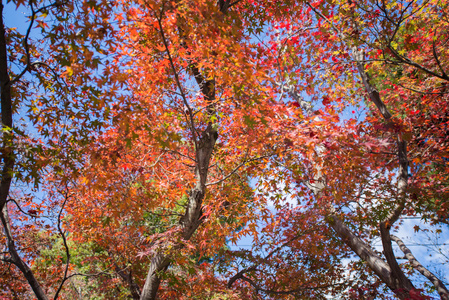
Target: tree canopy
[{"x": 141, "y": 140}]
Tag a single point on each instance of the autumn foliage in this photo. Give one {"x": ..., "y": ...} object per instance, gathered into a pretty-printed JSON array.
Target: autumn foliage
[{"x": 143, "y": 141}]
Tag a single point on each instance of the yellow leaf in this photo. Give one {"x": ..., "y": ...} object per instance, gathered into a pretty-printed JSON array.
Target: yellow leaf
[{"x": 69, "y": 71}]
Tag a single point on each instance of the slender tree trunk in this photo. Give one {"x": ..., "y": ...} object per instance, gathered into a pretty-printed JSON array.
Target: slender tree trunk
[
  {"x": 6, "y": 106},
  {"x": 128, "y": 278},
  {"x": 192, "y": 217},
  {"x": 205, "y": 144},
  {"x": 15, "y": 258},
  {"x": 8, "y": 162},
  {"x": 402, "y": 283}
]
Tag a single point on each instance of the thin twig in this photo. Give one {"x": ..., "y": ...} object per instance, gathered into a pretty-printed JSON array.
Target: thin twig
[
  {"x": 178, "y": 83},
  {"x": 237, "y": 168},
  {"x": 66, "y": 246}
]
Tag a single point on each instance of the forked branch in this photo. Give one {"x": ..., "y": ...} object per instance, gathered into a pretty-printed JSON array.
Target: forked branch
[{"x": 437, "y": 283}]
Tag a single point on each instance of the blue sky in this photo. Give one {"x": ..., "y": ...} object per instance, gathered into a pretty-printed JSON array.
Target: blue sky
[{"x": 15, "y": 18}]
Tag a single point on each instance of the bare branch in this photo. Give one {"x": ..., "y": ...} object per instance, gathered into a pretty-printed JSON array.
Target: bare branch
[
  {"x": 240, "y": 274},
  {"x": 435, "y": 55},
  {"x": 287, "y": 292},
  {"x": 29, "y": 64},
  {"x": 66, "y": 247},
  {"x": 236, "y": 169},
  {"x": 178, "y": 82},
  {"x": 437, "y": 283},
  {"x": 408, "y": 61}
]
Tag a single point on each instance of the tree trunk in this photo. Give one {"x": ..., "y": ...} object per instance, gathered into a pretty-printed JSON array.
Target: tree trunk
[
  {"x": 15, "y": 258},
  {"x": 7, "y": 153}
]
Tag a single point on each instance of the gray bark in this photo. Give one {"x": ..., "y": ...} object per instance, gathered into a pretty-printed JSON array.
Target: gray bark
[
  {"x": 159, "y": 263},
  {"x": 437, "y": 283},
  {"x": 192, "y": 217},
  {"x": 204, "y": 147},
  {"x": 389, "y": 272},
  {"x": 402, "y": 283},
  {"x": 376, "y": 263}
]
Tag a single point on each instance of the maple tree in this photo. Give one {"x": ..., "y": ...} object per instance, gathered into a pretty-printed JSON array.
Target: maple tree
[
  {"x": 393, "y": 52},
  {"x": 202, "y": 126},
  {"x": 380, "y": 40},
  {"x": 53, "y": 100}
]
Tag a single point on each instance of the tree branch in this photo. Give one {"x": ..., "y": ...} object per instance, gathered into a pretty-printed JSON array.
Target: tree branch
[
  {"x": 204, "y": 146},
  {"x": 15, "y": 258},
  {"x": 395, "y": 277},
  {"x": 178, "y": 83},
  {"x": 6, "y": 112},
  {"x": 437, "y": 283},
  {"x": 66, "y": 247},
  {"x": 408, "y": 61},
  {"x": 127, "y": 277},
  {"x": 236, "y": 169}
]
